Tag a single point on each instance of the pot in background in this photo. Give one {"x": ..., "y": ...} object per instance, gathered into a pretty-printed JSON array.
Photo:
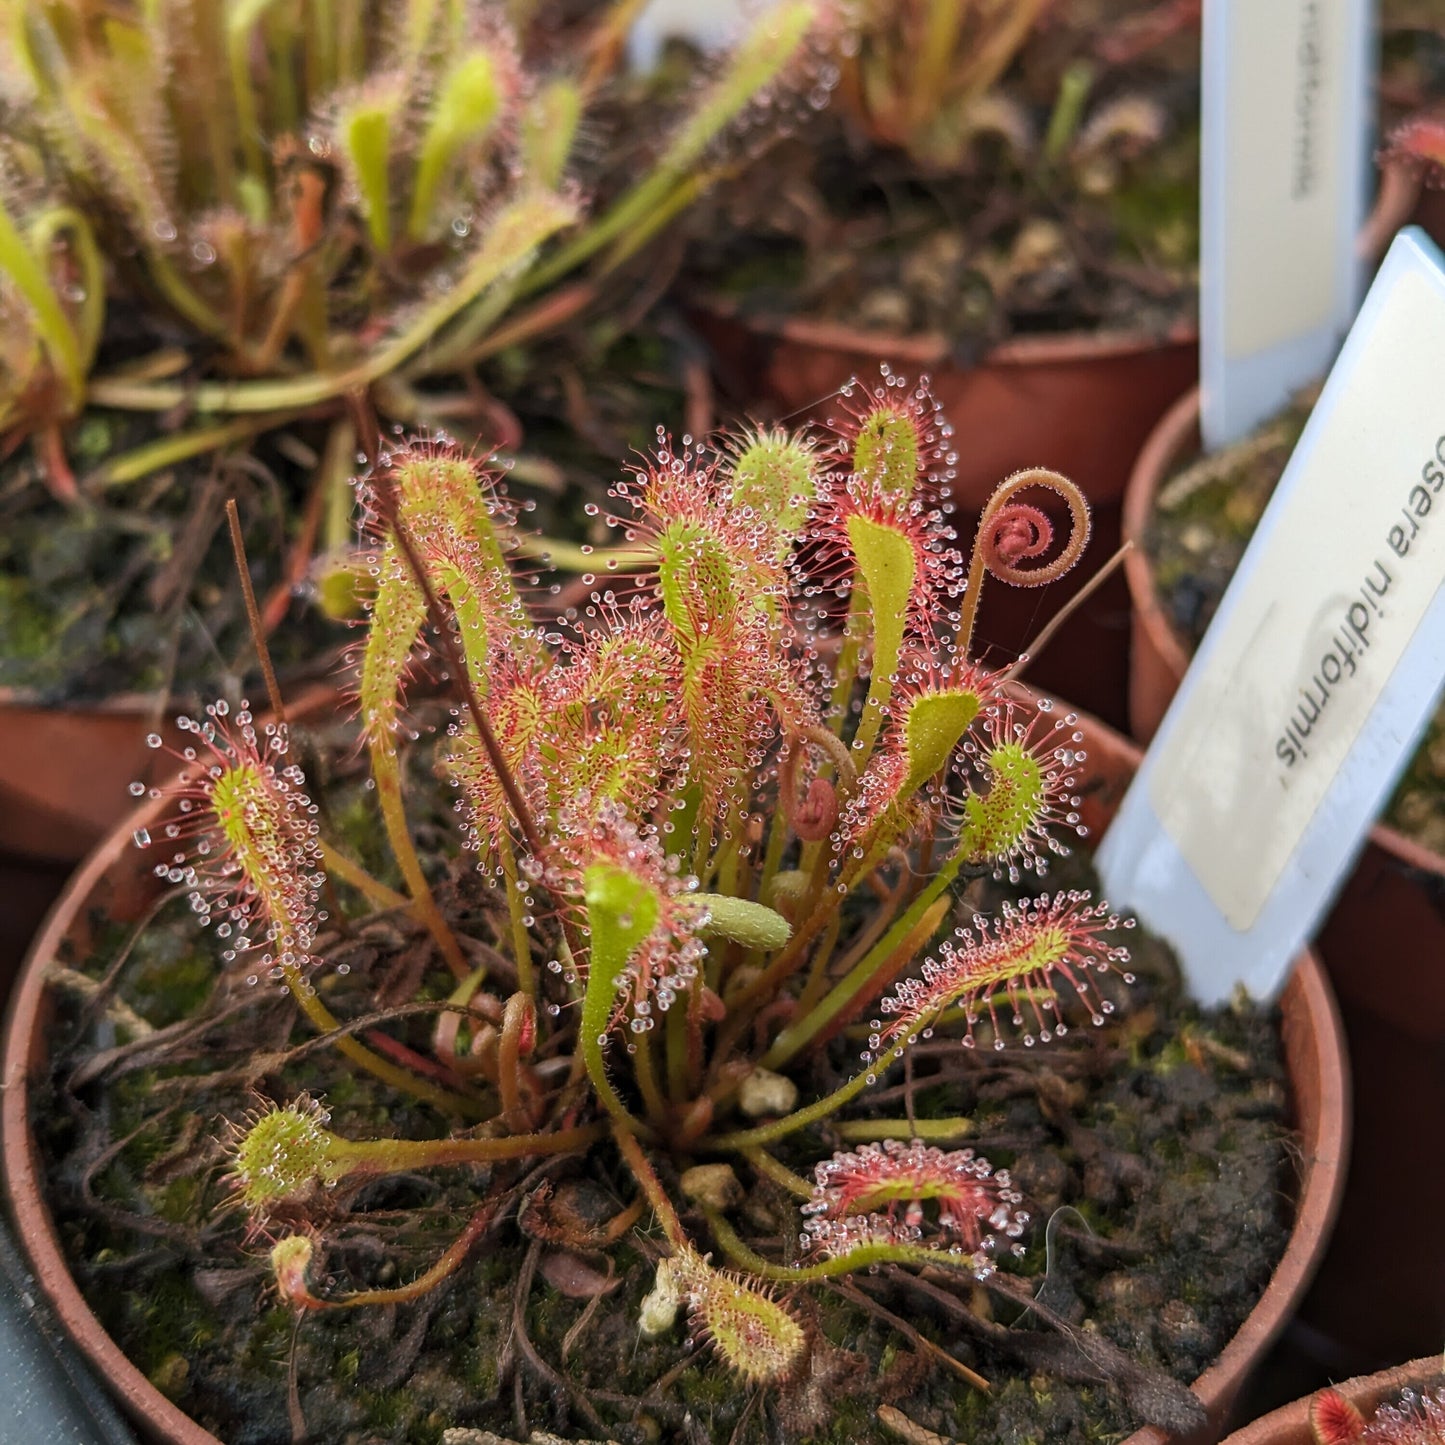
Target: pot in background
[
  {"x": 64, "y": 771},
  {"x": 118, "y": 879}
]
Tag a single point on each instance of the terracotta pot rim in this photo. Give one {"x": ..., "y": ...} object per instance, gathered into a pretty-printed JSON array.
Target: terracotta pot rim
[
  {"x": 21, "y": 1159},
  {"x": 1166, "y": 443},
  {"x": 1289, "y": 1425},
  {"x": 1318, "y": 1201},
  {"x": 930, "y": 348}
]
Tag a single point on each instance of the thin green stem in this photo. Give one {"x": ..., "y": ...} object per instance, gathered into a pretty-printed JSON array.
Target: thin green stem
[
  {"x": 476, "y": 1227},
  {"x": 931, "y": 1131},
  {"x": 805, "y": 1029},
  {"x": 338, "y": 865},
  {"x": 512, "y": 239},
  {"x": 678, "y": 1047},
  {"x": 143, "y": 461},
  {"x": 765, "y": 984},
  {"x": 818, "y": 971},
  {"x": 590, "y": 1045},
  {"x": 239, "y": 25},
  {"x": 644, "y": 1070},
  {"x": 90, "y": 322},
  {"x": 779, "y": 1173},
  {"x": 516, "y": 910},
  {"x": 864, "y": 1257},
  {"x": 399, "y": 1156},
  {"x": 386, "y": 773},
  {"x": 519, "y": 1014},
  {"x": 935, "y": 62},
  {"x": 1068, "y": 110},
  {"x": 820, "y": 1109},
  {"x": 30, "y": 279},
  {"x": 773, "y": 855},
  {"x": 754, "y": 65}
]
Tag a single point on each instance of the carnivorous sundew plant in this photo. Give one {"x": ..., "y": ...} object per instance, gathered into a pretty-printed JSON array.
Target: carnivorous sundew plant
[{"x": 729, "y": 801}]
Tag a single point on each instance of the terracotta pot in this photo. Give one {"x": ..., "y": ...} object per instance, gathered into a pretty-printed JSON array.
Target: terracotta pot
[
  {"x": 64, "y": 771},
  {"x": 1291, "y": 1426},
  {"x": 115, "y": 880},
  {"x": 1390, "y": 912},
  {"x": 1158, "y": 658}
]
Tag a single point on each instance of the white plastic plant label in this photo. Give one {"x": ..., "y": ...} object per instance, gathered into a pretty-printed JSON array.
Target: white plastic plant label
[
  {"x": 1319, "y": 671},
  {"x": 1285, "y": 164}
]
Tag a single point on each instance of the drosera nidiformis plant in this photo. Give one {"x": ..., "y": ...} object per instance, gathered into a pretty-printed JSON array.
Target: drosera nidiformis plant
[{"x": 724, "y": 803}]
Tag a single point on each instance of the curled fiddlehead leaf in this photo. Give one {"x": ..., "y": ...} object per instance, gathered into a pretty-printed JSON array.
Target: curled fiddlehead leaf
[{"x": 1011, "y": 533}]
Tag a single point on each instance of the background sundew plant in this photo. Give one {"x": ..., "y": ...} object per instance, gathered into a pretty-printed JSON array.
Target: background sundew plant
[
  {"x": 298, "y": 200},
  {"x": 723, "y": 802}
]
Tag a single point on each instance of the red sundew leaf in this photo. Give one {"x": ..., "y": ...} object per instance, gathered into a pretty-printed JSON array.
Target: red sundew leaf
[{"x": 1333, "y": 1420}]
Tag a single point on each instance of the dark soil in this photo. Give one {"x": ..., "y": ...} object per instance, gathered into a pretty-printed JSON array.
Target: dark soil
[
  {"x": 1165, "y": 1130},
  {"x": 1204, "y": 517}
]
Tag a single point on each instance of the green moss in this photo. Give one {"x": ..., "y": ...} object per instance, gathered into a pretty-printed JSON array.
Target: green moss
[
  {"x": 854, "y": 1419},
  {"x": 1156, "y": 212},
  {"x": 27, "y": 634},
  {"x": 179, "y": 1199}
]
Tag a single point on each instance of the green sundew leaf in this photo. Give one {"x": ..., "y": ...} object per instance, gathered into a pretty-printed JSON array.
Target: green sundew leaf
[
  {"x": 996, "y": 822},
  {"x": 751, "y": 924},
  {"x": 776, "y": 475},
  {"x": 365, "y": 130},
  {"x": 416, "y": 29},
  {"x": 133, "y": 64},
  {"x": 886, "y": 564},
  {"x": 445, "y": 506},
  {"x": 755, "y": 64},
  {"x": 622, "y": 910},
  {"x": 29, "y": 278},
  {"x": 887, "y": 450},
  {"x": 684, "y": 819},
  {"x": 116, "y": 141},
  {"x": 549, "y": 129},
  {"x": 696, "y": 579},
  {"x": 474, "y": 624},
  {"x": 25, "y": 54},
  {"x": 46, "y": 228},
  {"x": 397, "y": 616},
  {"x": 242, "y": 15},
  {"x": 466, "y": 108},
  {"x": 934, "y": 726}
]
